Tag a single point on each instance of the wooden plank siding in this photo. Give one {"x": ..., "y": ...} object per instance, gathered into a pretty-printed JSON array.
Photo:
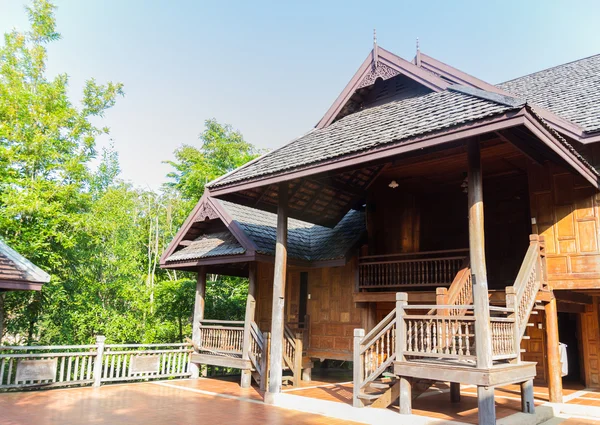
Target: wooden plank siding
[
  {"x": 333, "y": 313},
  {"x": 566, "y": 211}
]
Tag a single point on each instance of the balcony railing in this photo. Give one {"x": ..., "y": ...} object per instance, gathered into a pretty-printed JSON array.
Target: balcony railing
[{"x": 416, "y": 269}]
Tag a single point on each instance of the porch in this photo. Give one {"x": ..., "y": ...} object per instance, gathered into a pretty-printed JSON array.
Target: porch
[{"x": 222, "y": 400}]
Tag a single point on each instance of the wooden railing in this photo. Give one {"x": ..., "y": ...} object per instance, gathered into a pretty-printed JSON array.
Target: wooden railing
[
  {"x": 302, "y": 328},
  {"x": 259, "y": 352},
  {"x": 69, "y": 365},
  {"x": 521, "y": 296},
  {"x": 221, "y": 338},
  {"x": 129, "y": 362},
  {"x": 417, "y": 269},
  {"x": 292, "y": 354},
  {"x": 373, "y": 353}
]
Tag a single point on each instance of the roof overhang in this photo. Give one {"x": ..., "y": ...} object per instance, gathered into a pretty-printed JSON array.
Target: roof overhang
[
  {"x": 524, "y": 117},
  {"x": 19, "y": 285}
]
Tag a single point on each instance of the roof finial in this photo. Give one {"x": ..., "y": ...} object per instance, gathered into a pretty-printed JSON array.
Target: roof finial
[
  {"x": 418, "y": 55},
  {"x": 375, "y": 49}
]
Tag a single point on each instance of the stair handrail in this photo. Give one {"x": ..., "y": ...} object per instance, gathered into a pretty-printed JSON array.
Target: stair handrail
[
  {"x": 460, "y": 292},
  {"x": 292, "y": 353},
  {"x": 530, "y": 279},
  {"x": 373, "y": 353}
]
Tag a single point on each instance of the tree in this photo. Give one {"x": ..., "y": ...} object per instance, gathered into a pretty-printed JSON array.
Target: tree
[
  {"x": 46, "y": 144},
  {"x": 222, "y": 151}
]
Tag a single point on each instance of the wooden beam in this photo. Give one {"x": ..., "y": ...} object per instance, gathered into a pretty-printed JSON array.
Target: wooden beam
[
  {"x": 277, "y": 318},
  {"x": 477, "y": 257},
  {"x": 553, "y": 353},
  {"x": 246, "y": 380},
  {"x": 573, "y": 297},
  {"x": 198, "y": 315}
]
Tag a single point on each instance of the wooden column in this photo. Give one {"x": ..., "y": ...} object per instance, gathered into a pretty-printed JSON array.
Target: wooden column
[
  {"x": 553, "y": 353},
  {"x": 246, "y": 380},
  {"x": 455, "y": 392},
  {"x": 527, "y": 401},
  {"x": 277, "y": 318},
  {"x": 485, "y": 395},
  {"x": 198, "y": 315}
]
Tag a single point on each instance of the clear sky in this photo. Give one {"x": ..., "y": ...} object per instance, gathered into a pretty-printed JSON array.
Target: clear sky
[{"x": 271, "y": 69}]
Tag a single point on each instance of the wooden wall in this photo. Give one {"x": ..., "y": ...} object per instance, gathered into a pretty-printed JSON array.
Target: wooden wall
[
  {"x": 590, "y": 335},
  {"x": 566, "y": 210},
  {"x": 333, "y": 314}
]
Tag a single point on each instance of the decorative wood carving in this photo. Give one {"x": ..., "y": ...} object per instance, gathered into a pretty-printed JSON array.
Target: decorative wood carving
[
  {"x": 378, "y": 71},
  {"x": 206, "y": 212}
]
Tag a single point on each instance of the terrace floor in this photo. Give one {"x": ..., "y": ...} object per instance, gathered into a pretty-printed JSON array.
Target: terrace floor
[{"x": 221, "y": 400}]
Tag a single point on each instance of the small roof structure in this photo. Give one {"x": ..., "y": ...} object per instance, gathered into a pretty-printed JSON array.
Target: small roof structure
[
  {"x": 18, "y": 273},
  {"x": 221, "y": 231}
]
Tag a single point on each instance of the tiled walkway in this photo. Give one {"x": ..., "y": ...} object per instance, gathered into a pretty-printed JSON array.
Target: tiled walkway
[
  {"x": 149, "y": 404},
  {"x": 223, "y": 401},
  {"x": 435, "y": 403}
]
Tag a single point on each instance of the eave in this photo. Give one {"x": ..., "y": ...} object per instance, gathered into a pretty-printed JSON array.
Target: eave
[{"x": 20, "y": 285}]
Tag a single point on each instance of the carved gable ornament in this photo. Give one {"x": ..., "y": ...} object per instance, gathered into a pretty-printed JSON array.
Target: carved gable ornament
[
  {"x": 378, "y": 70},
  {"x": 206, "y": 212}
]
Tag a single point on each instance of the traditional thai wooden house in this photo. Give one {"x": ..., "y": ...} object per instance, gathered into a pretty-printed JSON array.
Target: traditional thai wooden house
[{"x": 365, "y": 239}]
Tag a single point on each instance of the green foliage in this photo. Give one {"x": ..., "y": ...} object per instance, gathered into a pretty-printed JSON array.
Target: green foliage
[
  {"x": 222, "y": 151},
  {"x": 98, "y": 237}
]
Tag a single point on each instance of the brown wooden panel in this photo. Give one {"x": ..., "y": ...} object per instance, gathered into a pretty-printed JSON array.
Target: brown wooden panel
[
  {"x": 565, "y": 221},
  {"x": 563, "y": 189},
  {"x": 590, "y": 338},
  {"x": 587, "y": 236},
  {"x": 585, "y": 263},
  {"x": 557, "y": 265},
  {"x": 535, "y": 346}
]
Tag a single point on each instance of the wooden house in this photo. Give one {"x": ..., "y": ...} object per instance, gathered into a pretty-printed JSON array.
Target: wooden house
[
  {"x": 17, "y": 273},
  {"x": 431, "y": 224}
]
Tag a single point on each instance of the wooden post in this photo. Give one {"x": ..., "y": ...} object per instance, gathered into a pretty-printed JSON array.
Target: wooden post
[
  {"x": 441, "y": 298},
  {"x": 298, "y": 360},
  {"x": 98, "y": 360},
  {"x": 246, "y": 380},
  {"x": 277, "y": 318},
  {"x": 527, "y": 402},
  {"x": 455, "y": 392},
  {"x": 511, "y": 302},
  {"x": 486, "y": 406},
  {"x": 264, "y": 363},
  {"x": 198, "y": 316},
  {"x": 405, "y": 396},
  {"x": 357, "y": 368},
  {"x": 401, "y": 301},
  {"x": 483, "y": 342},
  {"x": 553, "y": 353}
]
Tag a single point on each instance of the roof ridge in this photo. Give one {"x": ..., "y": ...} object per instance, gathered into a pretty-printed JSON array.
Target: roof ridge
[
  {"x": 501, "y": 99},
  {"x": 547, "y": 69}
]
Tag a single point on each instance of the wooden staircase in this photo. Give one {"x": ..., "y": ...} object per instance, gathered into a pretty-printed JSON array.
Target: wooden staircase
[{"x": 444, "y": 335}]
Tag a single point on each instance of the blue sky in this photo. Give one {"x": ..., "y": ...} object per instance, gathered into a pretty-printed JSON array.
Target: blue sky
[{"x": 271, "y": 69}]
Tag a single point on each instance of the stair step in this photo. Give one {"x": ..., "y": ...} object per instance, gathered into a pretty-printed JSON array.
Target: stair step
[
  {"x": 530, "y": 325},
  {"x": 369, "y": 396},
  {"x": 534, "y": 312},
  {"x": 378, "y": 385},
  {"x": 525, "y": 337}
]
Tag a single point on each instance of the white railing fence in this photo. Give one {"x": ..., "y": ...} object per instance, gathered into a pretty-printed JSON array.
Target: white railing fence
[{"x": 66, "y": 365}]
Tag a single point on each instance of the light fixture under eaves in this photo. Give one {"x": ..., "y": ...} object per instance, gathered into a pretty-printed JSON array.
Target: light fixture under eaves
[{"x": 393, "y": 184}]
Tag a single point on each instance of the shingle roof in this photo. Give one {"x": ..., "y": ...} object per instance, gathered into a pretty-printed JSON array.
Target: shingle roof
[
  {"x": 15, "y": 267},
  {"x": 306, "y": 241},
  {"x": 209, "y": 245},
  {"x": 571, "y": 91},
  {"x": 374, "y": 127}
]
